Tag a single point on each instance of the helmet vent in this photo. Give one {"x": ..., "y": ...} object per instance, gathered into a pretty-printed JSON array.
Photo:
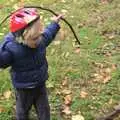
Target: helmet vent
[
  {"x": 26, "y": 12},
  {"x": 19, "y": 15}
]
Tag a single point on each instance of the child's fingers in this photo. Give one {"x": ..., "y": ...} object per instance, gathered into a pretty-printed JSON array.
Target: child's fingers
[
  {"x": 57, "y": 18},
  {"x": 60, "y": 16}
]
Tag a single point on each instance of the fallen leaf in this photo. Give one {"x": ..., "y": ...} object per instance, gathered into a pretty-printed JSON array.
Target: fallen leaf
[
  {"x": 65, "y": 81},
  {"x": 62, "y": 34},
  {"x": 67, "y": 54},
  {"x": 52, "y": 51},
  {"x": 66, "y": 92},
  {"x": 66, "y": 110},
  {"x": 50, "y": 85},
  {"x": 80, "y": 25},
  {"x": 106, "y": 79},
  {"x": 98, "y": 77},
  {"x": 57, "y": 42},
  {"x": 75, "y": 44},
  {"x": 7, "y": 94},
  {"x": 100, "y": 65},
  {"x": 58, "y": 92},
  {"x": 68, "y": 99},
  {"x": 114, "y": 66},
  {"x": 111, "y": 37},
  {"x": 1, "y": 6},
  {"x": 2, "y": 109},
  {"x": 110, "y": 101},
  {"x": 64, "y": 11},
  {"x": 108, "y": 70},
  {"x": 83, "y": 94},
  {"x": 86, "y": 37},
  {"x": 77, "y": 50},
  {"x": 78, "y": 117},
  {"x": 108, "y": 54}
]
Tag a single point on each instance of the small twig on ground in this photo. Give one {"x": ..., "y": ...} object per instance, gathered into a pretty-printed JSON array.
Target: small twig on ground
[{"x": 111, "y": 115}]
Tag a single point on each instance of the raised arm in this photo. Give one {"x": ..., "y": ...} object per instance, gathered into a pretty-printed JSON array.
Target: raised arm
[{"x": 51, "y": 30}]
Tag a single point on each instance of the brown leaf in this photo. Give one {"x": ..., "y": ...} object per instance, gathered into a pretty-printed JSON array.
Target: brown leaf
[
  {"x": 1, "y": 6},
  {"x": 111, "y": 37},
  {"x": 68, "y": 99},
  {"x": 66, "y": 110},
  {"x": 108, "y": 70},
  {"x": 100, "y": 65},
  {"x": 2, "y": 109},
  {"x": 77, "y": 50},
  {"x": 106, "y": 79},
  {"x": 66, "y": 92},
  {"x": 114, "y": 66},
  {"x": 98, "y": 77},
  {"x": 83, "y": 94},
  {"x": 80, "y": 25},
  {"x": 58, "y": 92},
  {"x": 63, "y": 34},
  {"x": 108, "y": 54}
]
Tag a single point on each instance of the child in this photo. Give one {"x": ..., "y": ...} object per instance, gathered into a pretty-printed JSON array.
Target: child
[{"x": 24, "y": 49}]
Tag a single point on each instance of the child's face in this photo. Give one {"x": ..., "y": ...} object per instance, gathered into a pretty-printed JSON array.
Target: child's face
[{"x": 32, "y": 34}]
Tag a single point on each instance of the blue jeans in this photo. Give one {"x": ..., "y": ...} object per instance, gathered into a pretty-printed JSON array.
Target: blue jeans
[{"x": 25, "y": 98}]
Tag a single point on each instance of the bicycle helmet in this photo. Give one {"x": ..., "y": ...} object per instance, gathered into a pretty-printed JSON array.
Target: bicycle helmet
[{"x": 22, "y": 18}]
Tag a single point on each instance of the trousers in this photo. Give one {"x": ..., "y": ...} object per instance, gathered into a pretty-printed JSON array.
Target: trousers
[{"x": 38, "y": 97}]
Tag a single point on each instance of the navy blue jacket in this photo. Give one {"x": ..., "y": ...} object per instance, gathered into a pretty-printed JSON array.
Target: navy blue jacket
[{"x": 29, "y": 66}]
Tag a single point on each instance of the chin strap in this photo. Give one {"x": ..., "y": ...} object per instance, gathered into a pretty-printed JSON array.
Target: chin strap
[{"x": 51, "y": 11}]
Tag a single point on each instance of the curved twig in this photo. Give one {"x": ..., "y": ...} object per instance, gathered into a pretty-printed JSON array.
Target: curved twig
[
  {"x": 51, "y": 11},
  {"x": 39, "y": 7},
  {"x": 112, "y": 115}
]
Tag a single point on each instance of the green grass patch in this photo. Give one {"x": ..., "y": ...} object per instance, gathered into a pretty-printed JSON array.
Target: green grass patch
[{"x": 94, "y": 24}]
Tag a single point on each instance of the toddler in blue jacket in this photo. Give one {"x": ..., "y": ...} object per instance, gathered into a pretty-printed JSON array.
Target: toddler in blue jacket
[{"x": 24, "y": 49}]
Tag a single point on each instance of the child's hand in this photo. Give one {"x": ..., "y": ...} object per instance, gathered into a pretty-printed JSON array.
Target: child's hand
[{"x": 57, "y": 18}]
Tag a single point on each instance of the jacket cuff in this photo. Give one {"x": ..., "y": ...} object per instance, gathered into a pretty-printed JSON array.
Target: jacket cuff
[{"x": 56, "y": 25}]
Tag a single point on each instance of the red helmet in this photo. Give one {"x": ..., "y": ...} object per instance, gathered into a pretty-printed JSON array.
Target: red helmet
[{"x": 22, "y": 18}]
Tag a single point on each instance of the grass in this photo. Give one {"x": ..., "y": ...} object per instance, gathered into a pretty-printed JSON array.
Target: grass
[{"x": 94, "y": 24}]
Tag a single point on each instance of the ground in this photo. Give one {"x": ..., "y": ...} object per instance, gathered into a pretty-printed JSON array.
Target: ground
[{"x": 83, "y": 80}]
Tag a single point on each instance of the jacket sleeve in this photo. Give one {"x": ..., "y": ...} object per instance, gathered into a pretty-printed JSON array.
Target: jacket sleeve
[
  {"x": 5, "y": 55},
  {"x": 50, "y": 33}
]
